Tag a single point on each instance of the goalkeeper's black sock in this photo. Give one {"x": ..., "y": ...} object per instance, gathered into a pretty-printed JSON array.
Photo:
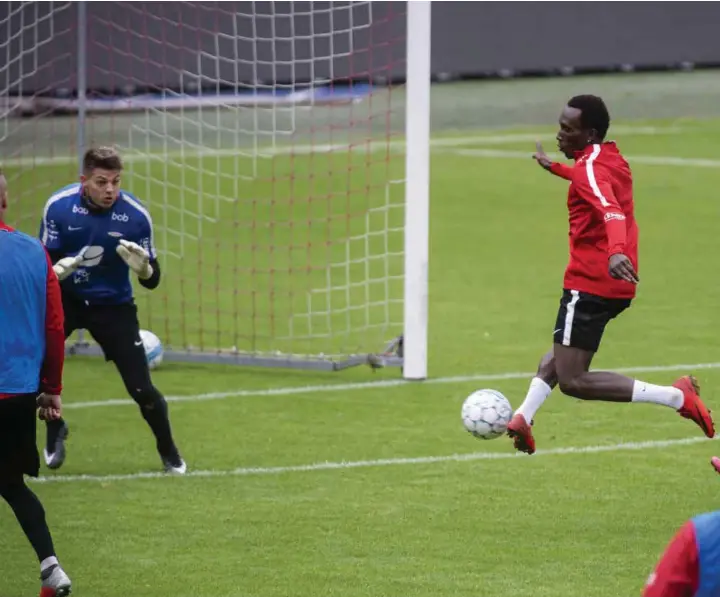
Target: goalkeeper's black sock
[
  {"x": 31, "y": 516},
  {"x": 156, "y": 415}
]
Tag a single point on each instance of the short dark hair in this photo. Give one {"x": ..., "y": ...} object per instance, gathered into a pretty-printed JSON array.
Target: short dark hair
[
  {"x": 593, "y": 113},
  {"x": 101, "y": 157}
]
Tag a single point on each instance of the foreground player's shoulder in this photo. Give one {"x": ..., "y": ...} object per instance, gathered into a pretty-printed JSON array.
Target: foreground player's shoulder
[
  {"x": 32, "y": 250},
  {"x": 677, "y": 572}
]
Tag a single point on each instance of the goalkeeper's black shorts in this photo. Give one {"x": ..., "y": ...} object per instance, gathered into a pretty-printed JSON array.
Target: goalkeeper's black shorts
[{"x": 114, "y": 327}]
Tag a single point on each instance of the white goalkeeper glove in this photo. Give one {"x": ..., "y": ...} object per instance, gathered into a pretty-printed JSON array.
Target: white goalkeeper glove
[
  {"x": 137, "y": 258},
  {"x": 66, "y": 266}
]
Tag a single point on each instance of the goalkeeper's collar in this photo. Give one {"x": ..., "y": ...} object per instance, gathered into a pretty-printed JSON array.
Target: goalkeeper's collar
[{"x": 93, "y": 207}]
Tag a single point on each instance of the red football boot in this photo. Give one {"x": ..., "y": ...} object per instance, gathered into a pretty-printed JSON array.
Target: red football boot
[
  {"x": 521, "y": 432},
  {"x": 693, "y": 408}
]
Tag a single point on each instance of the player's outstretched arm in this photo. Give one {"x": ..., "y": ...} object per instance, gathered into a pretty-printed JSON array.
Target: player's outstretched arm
[
  {"x": 141, "y": 256},
  {"x": 138, "y": 260},
  {"x": 154, "y": 280},
  {"x": 52, "y": 238},
  {"x": 558, "y": 169},
  {"x": 66, "y": 266}
]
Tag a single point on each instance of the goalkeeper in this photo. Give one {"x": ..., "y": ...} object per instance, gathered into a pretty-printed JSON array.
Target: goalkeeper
[{"x": 95, "y": 234}]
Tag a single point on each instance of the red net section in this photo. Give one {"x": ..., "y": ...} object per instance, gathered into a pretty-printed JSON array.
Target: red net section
[
  {"x": 264, "y": 138},
  {"x": 38, "y": 153}
]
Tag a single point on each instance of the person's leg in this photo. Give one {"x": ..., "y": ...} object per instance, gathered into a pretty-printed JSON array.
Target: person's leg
[
  {"x": 585, "y": 318},
  {"x": 579, "y": 328},
  {"x": 540, "y": 387},
  {"x": 117, "y": 330},
  {"x": 682, "y": 396},
  {"x": 31, "y": 515},
  {"x": 19, "y": 457},
  {"x": 581, "y": 336}
]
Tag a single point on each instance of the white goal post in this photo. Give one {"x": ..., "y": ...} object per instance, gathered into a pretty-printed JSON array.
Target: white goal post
[{"x": 282, "y": 149}]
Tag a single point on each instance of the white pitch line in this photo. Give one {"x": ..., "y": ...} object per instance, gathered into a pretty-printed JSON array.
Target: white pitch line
[
  {"x": 369, "y": 385},
  {"x": 636, "y": 159},
  {"x": 196, "y": 152},
  {"x": 334, "y": 466}
]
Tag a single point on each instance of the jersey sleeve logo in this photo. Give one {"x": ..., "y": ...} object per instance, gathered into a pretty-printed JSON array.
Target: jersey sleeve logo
[
  {"x": 613, "y": 216},
  {"x": 52, "y": 231}
]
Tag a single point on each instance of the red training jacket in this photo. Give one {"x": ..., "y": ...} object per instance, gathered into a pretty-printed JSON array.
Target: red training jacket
[
  {"x": 53, "y": 363},
  {"x": 678, "y": 572},
  {"x": 602, "y": 220}
]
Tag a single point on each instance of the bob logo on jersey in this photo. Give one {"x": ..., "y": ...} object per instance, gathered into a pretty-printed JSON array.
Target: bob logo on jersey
[
  {"x": 120, "y": 217},
  {"x": 77, "y": 209}
]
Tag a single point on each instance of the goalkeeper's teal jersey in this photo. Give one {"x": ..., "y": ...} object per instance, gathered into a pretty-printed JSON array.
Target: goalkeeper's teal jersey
[{"x": 71, "y": 227}]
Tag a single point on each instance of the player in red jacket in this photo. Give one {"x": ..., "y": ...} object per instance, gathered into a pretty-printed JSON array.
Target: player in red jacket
[
  {"x": 689, "y": 565},
  {"x": 600, "y": 279},
  {"x": 32, "y": 355}
]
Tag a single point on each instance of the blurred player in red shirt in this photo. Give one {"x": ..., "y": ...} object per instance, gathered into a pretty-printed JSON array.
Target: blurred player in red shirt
[
  {"x": 690, "y": 565},
  {"x": 600, "y": 279}
]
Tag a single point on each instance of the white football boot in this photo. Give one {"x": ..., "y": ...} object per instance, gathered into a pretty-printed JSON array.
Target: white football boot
[
  {"x": 174, "y": 464},
  {"x": 55, "y": 583}
]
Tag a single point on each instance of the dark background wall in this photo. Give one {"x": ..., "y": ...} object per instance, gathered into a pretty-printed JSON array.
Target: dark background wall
[{"x": 164, "y": 44}]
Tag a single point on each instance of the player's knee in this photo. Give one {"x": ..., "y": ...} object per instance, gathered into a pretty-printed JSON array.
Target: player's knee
[
  {"x": 10, "y": 486},
  {"x": 571, "y": 385},
  {"x": 146, "y": 396}
]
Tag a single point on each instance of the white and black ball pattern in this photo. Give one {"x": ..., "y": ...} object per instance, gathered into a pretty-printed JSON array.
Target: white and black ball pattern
[{"x": 486, "y": 414}]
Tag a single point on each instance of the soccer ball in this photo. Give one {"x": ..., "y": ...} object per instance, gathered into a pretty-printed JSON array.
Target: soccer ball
[
  {"x": 486, "y": 414},
  {"x": 153, "y": 348}
]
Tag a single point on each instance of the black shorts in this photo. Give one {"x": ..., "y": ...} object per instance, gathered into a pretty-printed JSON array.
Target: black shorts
[
  {"x": 582, "y": 318},
  {"x": 116, "y": 330},
  {"x": 18, "y": 449}
]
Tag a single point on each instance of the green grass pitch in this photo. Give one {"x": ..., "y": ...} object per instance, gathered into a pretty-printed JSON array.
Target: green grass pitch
[{"x": 581, "y": 523}]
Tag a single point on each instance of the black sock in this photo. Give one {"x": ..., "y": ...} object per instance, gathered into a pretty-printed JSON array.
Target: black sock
[
  {"x": 156, "y": 415},
  {"x": 31, "y": 516}
]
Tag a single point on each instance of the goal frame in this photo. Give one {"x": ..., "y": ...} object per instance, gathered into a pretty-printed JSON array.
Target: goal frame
[{"x": 409, "y": 351}]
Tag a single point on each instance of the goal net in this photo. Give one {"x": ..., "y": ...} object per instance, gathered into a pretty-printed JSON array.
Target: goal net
[{"x": 267, "y": 140}]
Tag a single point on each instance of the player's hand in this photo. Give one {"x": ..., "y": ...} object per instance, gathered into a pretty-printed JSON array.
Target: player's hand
[
  {"x": 66, "y": 266},
  {"x": 49, "y": 407},
  {"x": 541, "y": 157},
  {"x": 622, "y": 268},
  {"x": 137, "y": 258},
  {"x": 715, "y": 461}
]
